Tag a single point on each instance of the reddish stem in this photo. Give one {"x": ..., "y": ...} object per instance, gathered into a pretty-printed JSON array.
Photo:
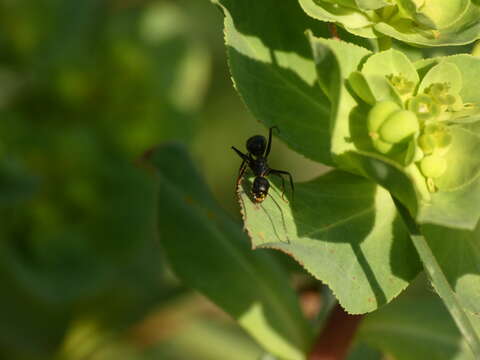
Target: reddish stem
[
  {"x": 334, "y": 341},
  {"x": 333, "y": 31}
]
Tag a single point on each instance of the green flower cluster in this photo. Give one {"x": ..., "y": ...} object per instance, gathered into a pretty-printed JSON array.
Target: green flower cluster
[
  {"x": 394, "y": 131},
  {"x": 413, "y": 120},
  {"x": 422, "y": 22}
]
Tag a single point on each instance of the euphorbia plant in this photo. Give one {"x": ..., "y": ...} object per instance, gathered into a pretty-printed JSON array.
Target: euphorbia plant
[{"x": 401, "y": 132}]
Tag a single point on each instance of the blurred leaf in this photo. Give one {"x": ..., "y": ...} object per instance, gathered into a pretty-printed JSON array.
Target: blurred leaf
[
  {"x": 344, "y": 230},
  {"x": 85, "y": 87},
  {"x": 458, "y": 253},
  {"x": 179, "y": 331},
  {"x": 414, "y": 328},
  {"x": 30, "y": 329},
  {"x": 208, "y": 341},
  {"x": 210, "y": 253},
  {"x": 273, "y": 70},
  {"x": 16, "y": 185},
  {"x": 363, "y": 352}
]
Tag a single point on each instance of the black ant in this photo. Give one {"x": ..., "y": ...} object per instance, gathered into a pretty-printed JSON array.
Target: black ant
[{"x": 256, "y": 159}]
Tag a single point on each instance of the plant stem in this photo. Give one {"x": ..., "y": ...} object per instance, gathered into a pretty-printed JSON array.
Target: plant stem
[
  {"x": 439, "y": 280},
  {"x": 328, "y": 304},
  {"x": 335, "y": 339},
  {"x": 333, "y": 31}
]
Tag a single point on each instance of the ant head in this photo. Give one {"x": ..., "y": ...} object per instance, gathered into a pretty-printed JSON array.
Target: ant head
[
  {"x": 256, "y": 145},
  {"x": 260, "y": 189}
]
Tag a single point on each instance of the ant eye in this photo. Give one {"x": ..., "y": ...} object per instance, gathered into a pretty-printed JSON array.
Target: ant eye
[{"x": 256, "y": 145}]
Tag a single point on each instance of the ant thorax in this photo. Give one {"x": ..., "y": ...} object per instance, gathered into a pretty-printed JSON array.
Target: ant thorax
[{"x": 259, "y": 166}]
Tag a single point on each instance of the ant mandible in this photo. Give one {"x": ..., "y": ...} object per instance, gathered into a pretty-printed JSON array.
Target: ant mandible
[{"x": 256, "y": 159}]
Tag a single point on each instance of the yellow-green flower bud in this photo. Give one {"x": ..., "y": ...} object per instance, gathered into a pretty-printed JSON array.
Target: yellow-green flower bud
[
  {"x": 427, "y": 143},
  {"x": 435, "y": 138},
  {"x": 379, "y": 113},
  {"x": 443, "y": 139},
  {"x": 382, "y": 146},
  {"x": 433, "y": 166},
  {"x": 399, "y": 126}
]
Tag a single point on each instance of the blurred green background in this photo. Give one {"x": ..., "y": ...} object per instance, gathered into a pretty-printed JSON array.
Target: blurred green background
[{"x": 86, "y": 87}]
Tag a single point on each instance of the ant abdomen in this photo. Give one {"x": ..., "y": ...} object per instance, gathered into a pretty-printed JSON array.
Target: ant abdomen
[
  {"x": 260, "y": 189},
  {"x": 256, "y": 145}
]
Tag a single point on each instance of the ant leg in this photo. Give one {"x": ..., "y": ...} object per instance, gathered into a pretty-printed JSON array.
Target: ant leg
[
  {"x": 269, "y": 144},
  {"x": 281, "y": 172},
  {"x": 245, "y": 162},
  {"x": 283, "y": 184},
  {"x": 244, "y": 157},
  {"x": 241, "y": 171}
]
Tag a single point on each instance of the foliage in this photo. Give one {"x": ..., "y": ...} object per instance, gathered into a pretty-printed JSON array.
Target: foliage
[
  {"x": 407, "y": 128},
  {"x": 83, "y": 92},
  {"x": 87, "y": 87},
  {"x": 427, "y": 23}
]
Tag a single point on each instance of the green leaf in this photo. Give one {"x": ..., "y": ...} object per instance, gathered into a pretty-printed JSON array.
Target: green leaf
[
  {"x": 335, "y": 60},
  {"x": 361, "y": 87},
  {"x": 458, "y": 252},
  {"x": 210, "y": 253},
  {"x": 344, "y": 230},
  {"x": 438, "y": 14},
  {"x": 444, "y": 72},
  {"x": 414, "y": 328},
  {"x": 463, "y": 168},
  {"x": 456, "y": 209},
  {"x": 439, "y": 281},
  {"x": 432, "y": 24},
  {"x": 387, "y": 63},
  {"x": 326, "y": 11},
  {"x": 273, "y": 70},
  {"x": 463, "y": 31},
  {"x": 371, "y": 4},
  {"x": 410, "y": 8},
  {"x": 469, "y": 67},
  {"x": 457, "y": 203}
]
